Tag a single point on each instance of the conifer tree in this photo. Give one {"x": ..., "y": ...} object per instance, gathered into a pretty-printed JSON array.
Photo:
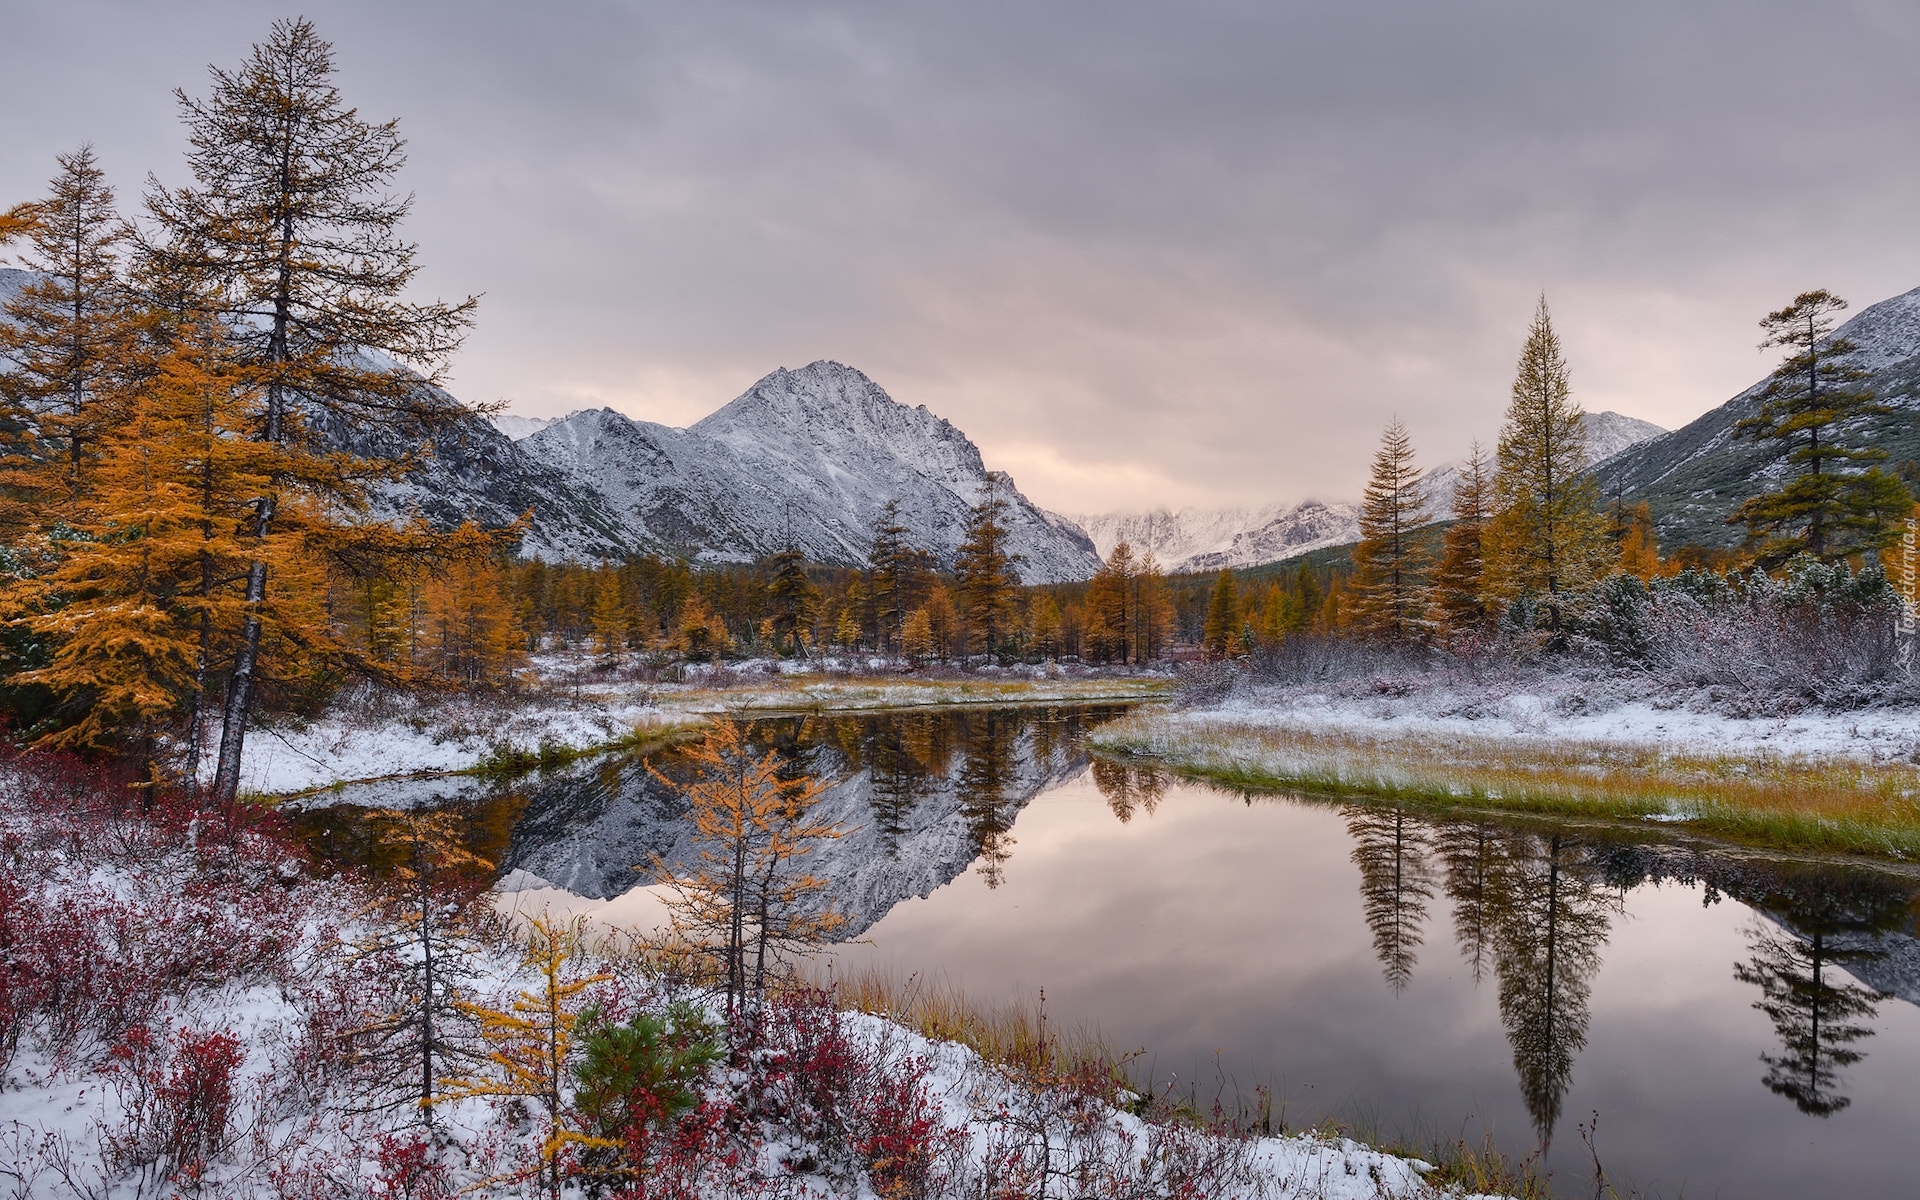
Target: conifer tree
[
  {"x": 749, "y": 899},
  {"x": 1389, "y": 584},
  {"x": 609, "y": 613},
  {"x": 290, "y": 229},
  {"x": 1222, "y": 618},
  {"x": 472, "y": 633},
  {"x": 1459, "y": 579},
  {"x": 1639, "y": 547},
  {"x": 530, "y": 1043},
  {"x": 898, "y": 573},
  {"x": 1152, "y": 609},
  {"x": 794, "y": 600},
  {"x": 1045, "y": 625},
  {"x": 987, "y": 579},
  {"x": 1109, "y": 609},
  {"x": 66, "y": 335},
  {"x": 1829, "y": 509},
  {"x": 1546, "y": 536},
  {"x": 137, "y": 594},
  {"x": 916, "y": 636}
]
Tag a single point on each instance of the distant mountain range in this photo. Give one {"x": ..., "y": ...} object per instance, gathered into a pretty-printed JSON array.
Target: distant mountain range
[
  {"x": 1695, "y": 476},
  {"x": 1212, "y": 539}
]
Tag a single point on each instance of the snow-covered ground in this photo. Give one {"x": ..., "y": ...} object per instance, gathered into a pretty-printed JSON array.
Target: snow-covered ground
[
  {"x": 369, "y": 734},
  {"x": 208, "y": 990},
  {"x": 1560, "y": 713}
]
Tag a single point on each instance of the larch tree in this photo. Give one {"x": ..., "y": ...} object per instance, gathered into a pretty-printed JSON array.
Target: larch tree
[
  {"x": 530, "y": 1044},
  {"x": 1390, "y": 564},
  {"x": 1152, "y": 609},
  {"x": 985, "y": 570},
  {"x": 1546, "y": 536},
  {"x": 1223, "y": 618},
  {"x": 748, "y": 899},
  {"x": 1459, "y": 578},
  {"x": 65, "y": 336},
  {"x": 290, "y": 227},
  {"x": 1830, "y": 508},
  {"x": 138, "y": 594},
  {"x": 1109, "y": 612}
]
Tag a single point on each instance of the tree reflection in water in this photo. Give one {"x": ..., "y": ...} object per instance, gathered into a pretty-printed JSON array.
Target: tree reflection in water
[
  {"x": 1538, "y": 907},
  {"x": 1817, "y": 1018},
  {"x": 989, "y": 739},
  {"x": 1391, "y": 848}
]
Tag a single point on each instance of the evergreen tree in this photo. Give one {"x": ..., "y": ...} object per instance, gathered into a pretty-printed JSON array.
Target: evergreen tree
[
  {"x": 1222, "y": 618},
  {"x": 794, "y": 600},
  {"x": 291, "y": 230},
  {"x": 1546, "y": 535},
  {"x": 1828, "y": 509},
  {"x": 1459, "y": 583},
  {"x": 898, "y": 576},
  {"x": 987, "y": 581},
  {"x": 609, "y": 612},
  {"x": 66, "y": 335},
  {"x": 1389, "y": 584}
]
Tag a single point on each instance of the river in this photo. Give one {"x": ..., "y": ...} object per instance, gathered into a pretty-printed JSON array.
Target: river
[{"x": 1736, "y": 1024}]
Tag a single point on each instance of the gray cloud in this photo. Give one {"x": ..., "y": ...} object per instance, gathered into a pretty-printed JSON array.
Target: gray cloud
[{"x": 1140, "y": 251}]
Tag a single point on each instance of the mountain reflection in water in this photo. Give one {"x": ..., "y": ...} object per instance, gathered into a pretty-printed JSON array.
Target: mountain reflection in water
[{"x": 1203, "y": 921}]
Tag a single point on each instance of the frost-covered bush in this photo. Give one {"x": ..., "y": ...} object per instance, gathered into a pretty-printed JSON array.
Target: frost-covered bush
[{"x": 1821, "y": 633}]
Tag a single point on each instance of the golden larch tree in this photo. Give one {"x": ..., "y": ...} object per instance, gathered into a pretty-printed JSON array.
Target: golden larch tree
[
  {"x": 1388, "y": 589},
  {"x": 1546, "y": 536}
]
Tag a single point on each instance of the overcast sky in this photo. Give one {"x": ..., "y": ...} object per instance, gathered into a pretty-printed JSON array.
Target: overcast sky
[{"x": 1167, "y": 253}]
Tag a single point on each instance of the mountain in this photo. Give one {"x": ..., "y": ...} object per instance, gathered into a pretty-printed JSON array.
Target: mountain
[
  {"x": 809, "y": 456},
  {"x": 517, "y": 427},
  {"x": 1208, "y": 539},
  {"x": 1695, "y": 476}
]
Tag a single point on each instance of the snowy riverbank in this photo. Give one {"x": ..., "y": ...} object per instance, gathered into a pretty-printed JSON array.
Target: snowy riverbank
[
  {"x": 1587, "y": 744},
  {"x": 573, "y": 705},
  {"x": 190, "y": 1009}
]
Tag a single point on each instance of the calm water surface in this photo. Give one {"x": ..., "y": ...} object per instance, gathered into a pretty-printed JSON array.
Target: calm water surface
[{"x": 1742, "y": 1026}]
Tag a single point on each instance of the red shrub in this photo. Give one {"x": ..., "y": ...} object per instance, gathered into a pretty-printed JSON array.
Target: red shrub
[{"x": 176, "y": 1097}]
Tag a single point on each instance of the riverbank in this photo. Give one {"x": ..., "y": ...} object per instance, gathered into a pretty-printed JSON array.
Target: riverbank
[
  {"x": 1828, "y": 782},
  {"x": 230, "y": 1023},
  {"x": 568, "y": 708}
]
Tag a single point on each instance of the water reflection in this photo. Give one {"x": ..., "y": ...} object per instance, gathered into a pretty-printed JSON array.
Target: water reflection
[{"x": 939, "y": 802}]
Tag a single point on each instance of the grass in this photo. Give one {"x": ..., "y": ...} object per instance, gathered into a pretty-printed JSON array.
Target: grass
[
  {"x": 828, "y": 694},
  {"x": 1016, "y": 1034},
  {"x": 1786, "y": 802}
]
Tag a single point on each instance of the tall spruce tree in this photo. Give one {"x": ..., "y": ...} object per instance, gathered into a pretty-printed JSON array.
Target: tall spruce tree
[
  {"x": 988, "y": 581},
  {"x": 794, "y": 600},
  {"x": 1546, "y": 536},
  {"x": 1459, "y": 579},
  {"x": 66, "y": 335},
  {"x": 1389, "y": 585},
  {"x": 290, "y": 227},
  {"x": 898, "y": 572},
  {"x": 1829, "y": 508}
]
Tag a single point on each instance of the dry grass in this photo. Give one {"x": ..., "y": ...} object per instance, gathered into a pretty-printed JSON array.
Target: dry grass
[
  {"x": 818, "y": 694},
  {"x": 1018, "y": 1034},
  {"x": 1783, "y": 801}
]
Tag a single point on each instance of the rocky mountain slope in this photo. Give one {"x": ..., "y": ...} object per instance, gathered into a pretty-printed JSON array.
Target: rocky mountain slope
[
  {"x": 1695, "y": 476},
  {"x": 1208, "y": 539},
  {"x": 809, "y": 456}
]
